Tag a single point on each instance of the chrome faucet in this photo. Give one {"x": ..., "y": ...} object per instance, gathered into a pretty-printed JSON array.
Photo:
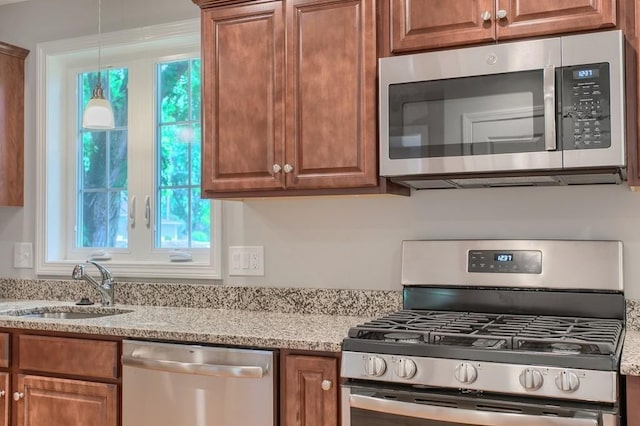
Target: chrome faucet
[{"x": 105, "y": 287}]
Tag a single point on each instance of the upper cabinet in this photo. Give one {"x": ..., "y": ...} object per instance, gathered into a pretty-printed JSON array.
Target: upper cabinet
[
  {"x": 12, "y": 60},
  {"x": 413, "y": 25},
  {"x": 289, "y": 98}
]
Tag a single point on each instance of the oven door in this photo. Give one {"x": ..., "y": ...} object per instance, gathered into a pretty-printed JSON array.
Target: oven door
[
  {"x": 373, "y": 406},
  {"x": 480, "y": 109}
]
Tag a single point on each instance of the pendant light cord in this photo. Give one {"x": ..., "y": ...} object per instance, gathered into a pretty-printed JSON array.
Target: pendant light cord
[{"x": 99, "y": 37}]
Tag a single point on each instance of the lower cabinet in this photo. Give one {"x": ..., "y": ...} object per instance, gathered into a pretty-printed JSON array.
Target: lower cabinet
[
  {"x": 55, "y": 380},
  {"x": 5, "y": 397},
  {"x": 310, "y": 390},
  {"x": 633, "y": 396},
  {"x": 53, "y": 401}
]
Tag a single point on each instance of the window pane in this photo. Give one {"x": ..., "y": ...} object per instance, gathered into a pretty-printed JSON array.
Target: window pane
[
  {"x": 104, "y": 219},
  {"x": 196, "y": 156},
  {"x": 117, "y": 93},
  {"x": 183, "y": 218},
  {"x": 200, "y": 221},
  {"x": 174, "y": 218},
  {"x": 175, "y": 91},
  {"x": 94, "y": 160},
  {"x": 102, "y": 168},
  {"x": 195, "y": 90},
  {"x": 174, "y": 155}
]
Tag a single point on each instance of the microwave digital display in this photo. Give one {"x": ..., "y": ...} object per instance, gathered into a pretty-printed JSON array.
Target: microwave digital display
[{"x": 586, "y": 73}]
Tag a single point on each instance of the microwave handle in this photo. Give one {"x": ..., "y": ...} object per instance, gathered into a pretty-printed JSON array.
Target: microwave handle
[
  {"x": 549, "y": 93},
  {"x": 455, "y": 415}
]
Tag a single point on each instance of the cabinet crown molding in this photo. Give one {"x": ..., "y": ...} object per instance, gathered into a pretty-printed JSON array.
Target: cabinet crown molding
[
  {"x": 9, "y": 49},
  {"x": 204, "y": 4}
]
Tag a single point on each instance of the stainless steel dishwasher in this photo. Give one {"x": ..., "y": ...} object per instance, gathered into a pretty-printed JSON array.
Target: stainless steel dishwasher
[{"x": 167, "y": 384}]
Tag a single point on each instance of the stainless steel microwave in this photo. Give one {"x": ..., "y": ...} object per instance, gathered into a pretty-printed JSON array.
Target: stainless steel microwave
[{"x": 536, "y": 112}]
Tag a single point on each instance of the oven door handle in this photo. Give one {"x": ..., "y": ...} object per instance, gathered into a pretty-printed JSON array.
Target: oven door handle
[{"x": 456, "y": 415}]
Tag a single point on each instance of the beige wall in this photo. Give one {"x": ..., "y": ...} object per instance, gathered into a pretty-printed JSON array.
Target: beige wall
[{"x": 351, "y": 242}]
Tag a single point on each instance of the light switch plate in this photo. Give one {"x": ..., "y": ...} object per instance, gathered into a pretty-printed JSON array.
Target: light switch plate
[
  {"x": 23, "y": 255},
  {"x": 246, "y": 260}
]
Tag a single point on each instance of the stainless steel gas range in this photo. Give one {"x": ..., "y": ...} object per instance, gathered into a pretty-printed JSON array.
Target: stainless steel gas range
[{"x": 493, "y": 333}]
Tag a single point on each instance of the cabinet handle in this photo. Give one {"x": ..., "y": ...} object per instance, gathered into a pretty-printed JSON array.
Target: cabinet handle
[
  {"x": 288, "y": 168},
  {"x": 17, "y": 396},
  {"x": 485, "y": 16},
  {"x": 501, "y": 14},
  {"x": 326, "y": 385},
  {"x": 276, "y": 168}
]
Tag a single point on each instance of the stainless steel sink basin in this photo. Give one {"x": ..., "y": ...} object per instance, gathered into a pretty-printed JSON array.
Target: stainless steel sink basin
[
  {"x": 66, "y": 315},
  {"x": 67, "y": 312}
]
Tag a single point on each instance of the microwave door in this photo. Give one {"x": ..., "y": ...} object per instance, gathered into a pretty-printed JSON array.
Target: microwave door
[
  {"x": 482, "y": 109},
  {"x": 488, "y": 123}
]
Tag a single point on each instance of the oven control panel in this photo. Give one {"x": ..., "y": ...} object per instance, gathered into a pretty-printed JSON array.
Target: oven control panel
[{"x": 505, "y": 261}]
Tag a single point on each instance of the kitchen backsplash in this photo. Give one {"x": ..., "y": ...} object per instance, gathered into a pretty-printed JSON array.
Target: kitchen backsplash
[{"x": 288, "y": 300}]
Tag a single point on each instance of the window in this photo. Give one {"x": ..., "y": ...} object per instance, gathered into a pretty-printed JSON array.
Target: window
[{"x": 129, "y": 197}]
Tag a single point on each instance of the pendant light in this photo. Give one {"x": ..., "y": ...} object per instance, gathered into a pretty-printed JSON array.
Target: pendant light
[{"x": 98, "y": 113}]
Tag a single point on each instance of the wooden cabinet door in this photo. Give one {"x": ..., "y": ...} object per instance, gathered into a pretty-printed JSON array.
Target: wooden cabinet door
[
  {"x": 12, "y": 124},
  {"x": 5, "y": 397},
  {"x": 633, "y": 396},
  {"x": 331, "y": 136},
  {"x": 307, "y": 403},
  {"x": 525, "y": 18},
  {"x": 430, "y": 24},
  {"x": 47, "y": 401},
  {"x": 243, "y": 98}
]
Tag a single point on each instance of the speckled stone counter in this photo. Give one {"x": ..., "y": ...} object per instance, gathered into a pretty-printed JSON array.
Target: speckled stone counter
[
  {"x": 630, "y": 362},
  {"x": 270, "y": 317},
  {"x": 219, "y": 326}
]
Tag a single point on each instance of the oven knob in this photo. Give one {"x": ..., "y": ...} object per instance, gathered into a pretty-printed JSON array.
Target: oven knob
[
  {"x": 465, "y": 373},
  {"x": 374, "y": 366},
  {"x": 405, "y": 368},
  {"x": 567, "y": 381},
  {"x": 531, "y": 379}
]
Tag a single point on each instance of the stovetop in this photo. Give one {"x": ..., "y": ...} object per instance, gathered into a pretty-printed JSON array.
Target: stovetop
[{"x": 495, "y": 332}]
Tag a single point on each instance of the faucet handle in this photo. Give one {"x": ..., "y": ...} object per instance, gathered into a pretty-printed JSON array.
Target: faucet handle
[
  {"x": 106, "y": 274},
  {"x": 78, "y": 272}
]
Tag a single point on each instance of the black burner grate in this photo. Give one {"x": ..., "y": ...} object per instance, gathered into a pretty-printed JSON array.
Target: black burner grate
[{"x": 564, "y": 335}]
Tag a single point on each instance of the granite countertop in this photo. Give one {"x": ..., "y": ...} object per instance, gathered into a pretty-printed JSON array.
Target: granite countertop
[
  {"x": 630, "y": 361},
  {"x": 220, "y": 326}
]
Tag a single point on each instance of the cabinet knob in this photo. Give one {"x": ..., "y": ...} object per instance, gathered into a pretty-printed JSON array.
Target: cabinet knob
[
  {"x": 276, "y": 168},
  {"x": 17, "y": 396},
  {"x": 288, "y": 168},
  {"x": 485, "y": 16},
  {"x": 326, "y": 385},
  {"x": 501, "y": 14},
  {"x": 2, "y": 393}
]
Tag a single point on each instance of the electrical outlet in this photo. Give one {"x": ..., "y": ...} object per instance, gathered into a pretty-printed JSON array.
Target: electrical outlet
[
  {"x": 246, "y": 260},
  {"x": 23, "y": 255}
]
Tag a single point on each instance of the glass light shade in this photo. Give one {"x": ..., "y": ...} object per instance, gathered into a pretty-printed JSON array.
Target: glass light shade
[{"x": 98, "y": 113}]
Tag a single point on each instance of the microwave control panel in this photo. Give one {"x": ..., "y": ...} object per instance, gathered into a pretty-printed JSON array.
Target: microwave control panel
[
  {"x": 505, "y": 261},
  {"x": 586, "y": 112}
]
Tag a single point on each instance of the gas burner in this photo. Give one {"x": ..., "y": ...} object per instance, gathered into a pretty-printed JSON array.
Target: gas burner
[
  {"x": 402, "y": 337},
  {"x": 566, "y": 348}
]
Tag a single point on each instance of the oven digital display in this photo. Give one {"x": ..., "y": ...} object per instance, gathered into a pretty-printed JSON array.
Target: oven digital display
[
  {"x": 503, "y": 257},
  {"x": 586, "y": 73},
  {"x": 505, "y": 261}
]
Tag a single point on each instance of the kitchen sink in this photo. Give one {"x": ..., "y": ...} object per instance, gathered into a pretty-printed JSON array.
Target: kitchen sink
[{"x": 67, "y": 312}]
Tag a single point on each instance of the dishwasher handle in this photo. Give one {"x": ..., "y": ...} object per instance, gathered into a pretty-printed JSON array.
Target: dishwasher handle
[{"x": 235, "y": 371}]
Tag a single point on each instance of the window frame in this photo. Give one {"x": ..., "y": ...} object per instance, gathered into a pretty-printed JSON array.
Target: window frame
[{"x": 58, "y": 64}]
